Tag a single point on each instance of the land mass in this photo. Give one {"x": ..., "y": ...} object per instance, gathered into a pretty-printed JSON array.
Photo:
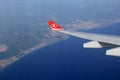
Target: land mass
[{"x": 49, "y": 40}]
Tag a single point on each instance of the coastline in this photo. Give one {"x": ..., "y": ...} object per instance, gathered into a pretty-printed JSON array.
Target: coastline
[{"x": 6, "y": 62}]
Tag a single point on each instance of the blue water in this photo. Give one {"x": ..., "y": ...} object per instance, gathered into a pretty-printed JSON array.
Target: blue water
[{"x": 66, "y": 60}]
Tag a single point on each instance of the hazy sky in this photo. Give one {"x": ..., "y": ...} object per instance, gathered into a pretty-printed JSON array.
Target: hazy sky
[{"x": 64, "y": 9}]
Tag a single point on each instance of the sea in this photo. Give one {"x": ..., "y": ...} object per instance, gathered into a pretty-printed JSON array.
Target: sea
[{"x": 65, "y": 60}]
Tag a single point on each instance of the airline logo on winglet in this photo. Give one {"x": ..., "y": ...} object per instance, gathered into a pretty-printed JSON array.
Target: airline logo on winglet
[{"x": 54, "y": 26}]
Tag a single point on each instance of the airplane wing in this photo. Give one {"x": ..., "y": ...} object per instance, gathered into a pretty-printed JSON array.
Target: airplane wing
[{"x": 98, "y": 40}]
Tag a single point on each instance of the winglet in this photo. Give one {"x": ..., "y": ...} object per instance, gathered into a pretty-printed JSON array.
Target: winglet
[{"x": 54, "y": 26}]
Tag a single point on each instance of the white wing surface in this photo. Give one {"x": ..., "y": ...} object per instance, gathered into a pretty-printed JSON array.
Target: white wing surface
[
  {"x": 95, "y": 37},
  {"x": 98, "y": 40}
]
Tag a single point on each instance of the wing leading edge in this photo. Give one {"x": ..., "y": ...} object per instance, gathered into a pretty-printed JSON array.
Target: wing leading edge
[{"x": 97, "y": 39}]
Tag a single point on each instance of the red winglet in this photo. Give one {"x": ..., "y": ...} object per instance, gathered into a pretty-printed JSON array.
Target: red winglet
[{"x": 54, "y": 26}]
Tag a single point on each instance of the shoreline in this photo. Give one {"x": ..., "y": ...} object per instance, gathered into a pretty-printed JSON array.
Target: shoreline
[{"x": 6, "y": 62}]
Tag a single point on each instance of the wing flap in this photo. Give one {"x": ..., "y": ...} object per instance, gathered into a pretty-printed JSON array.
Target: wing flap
[
  {"x": 113, "y": 52},
  {"x": 96, "y": 44}
]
